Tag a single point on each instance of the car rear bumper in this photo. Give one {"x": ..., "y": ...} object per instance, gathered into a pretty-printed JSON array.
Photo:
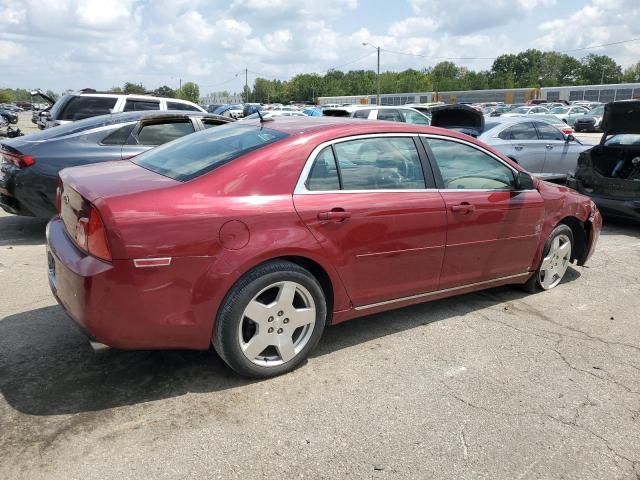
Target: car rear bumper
[
  {"x": 126, "y": 307},
  {"x": 610, "y": 207}
]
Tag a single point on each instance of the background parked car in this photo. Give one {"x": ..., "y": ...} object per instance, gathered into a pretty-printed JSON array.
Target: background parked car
[
  {"x": 30, "y": 164},
  {"x": 568, "y": 114},
  {"x": 555, "y": 121},
  {"x": 610, "y": 171},
  {"x": 539, "y": 147},
  {"x": 590, "y": 121},
  {"x": 525, "y": 110},
  {"x": 89, "y": 103},
  {"x": 10, "y": 115}
]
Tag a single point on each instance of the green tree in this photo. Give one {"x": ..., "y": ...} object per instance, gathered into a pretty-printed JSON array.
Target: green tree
[
  {"x": 597, "y": 69},
  {"x": 116, "y": 89},
  {"x": 165, "y": 91},
  {"x": 134, "y": 88},
  {"x": 6, "y": 96},
  {"x": 189, "y": 91},
  {"x": 632, "y": 74}
]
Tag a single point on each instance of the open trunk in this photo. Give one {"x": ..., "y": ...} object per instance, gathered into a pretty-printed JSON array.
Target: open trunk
[{"x": 616, "y": 171}]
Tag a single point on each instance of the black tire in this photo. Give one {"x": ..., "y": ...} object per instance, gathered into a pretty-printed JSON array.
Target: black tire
[
  {"x": 533, "y": 285},
  {"x": 225, "y": 336}
]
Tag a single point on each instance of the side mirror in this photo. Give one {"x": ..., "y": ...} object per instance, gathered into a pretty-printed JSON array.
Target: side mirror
[
  {"x": 524, "y": 181},
  {"x": 570, "y": 138}
]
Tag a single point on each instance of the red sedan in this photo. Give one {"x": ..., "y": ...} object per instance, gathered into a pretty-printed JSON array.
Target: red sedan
[{"x": 253, "y": 236}]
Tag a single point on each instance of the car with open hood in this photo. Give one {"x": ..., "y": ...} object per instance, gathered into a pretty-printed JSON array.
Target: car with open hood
[
  {"x": 253, "y": 236},
  {"x": 610, "y": 171},
  {"x": 29, "y": 164},
  {"x": 458, "y": 117}
]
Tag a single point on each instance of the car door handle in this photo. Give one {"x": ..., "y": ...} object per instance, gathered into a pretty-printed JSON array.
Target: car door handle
[
  {"x": 463, "y": 208},
  {"x": 548, "y": 147},
  {"x": 518, "y": 147},
  {"x": 334, "y": 215}
]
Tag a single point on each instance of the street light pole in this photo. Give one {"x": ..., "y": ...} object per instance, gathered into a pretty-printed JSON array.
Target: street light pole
[{"x": 378, "y": 72}]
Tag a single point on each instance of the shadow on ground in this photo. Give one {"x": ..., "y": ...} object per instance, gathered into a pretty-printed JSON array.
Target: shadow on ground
[
  {"x": 16, "y": 230},
  {"x": 48, "y": 368}
]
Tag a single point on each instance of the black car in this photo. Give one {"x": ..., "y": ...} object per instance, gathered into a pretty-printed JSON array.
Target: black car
[
  {"x": 30, "y": 164},
  {"x": 610, "y": 172},
  {"x": 11, "y": 116}
]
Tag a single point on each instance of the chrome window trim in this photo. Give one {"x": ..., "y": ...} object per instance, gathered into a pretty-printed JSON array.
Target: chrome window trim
[{"x": 301, "y": 188}]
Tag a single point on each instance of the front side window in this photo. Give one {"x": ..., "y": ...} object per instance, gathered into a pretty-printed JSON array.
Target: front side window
[
  {"x": 465, "y": 167},
  {"x": 390, "y": 115},
  {"x": 159, "y": 133},
  {"x": 414, "y": 117},
  {"x": 361, "y": 114},
  {"x": 548, "y": 132},
  {"x": 141, "y": 105},
  {"x": 379, "y": 164}
]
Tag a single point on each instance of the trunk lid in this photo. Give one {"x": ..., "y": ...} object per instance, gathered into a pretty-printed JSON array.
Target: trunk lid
[
  {"x": 621, "y": 117},
  {"x": 112, "y": 179},
  {"x": 461, "y": 118}
]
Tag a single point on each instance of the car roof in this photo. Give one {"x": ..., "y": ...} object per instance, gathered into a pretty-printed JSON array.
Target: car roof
[{"x": 346, "y": 126}]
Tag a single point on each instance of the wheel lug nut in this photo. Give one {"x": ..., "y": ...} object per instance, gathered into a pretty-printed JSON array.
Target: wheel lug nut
[
  {"x": 280, "y": 330},
  {"x": 270, "y": 330},
  {"x": 280, "y": 313},
  {"x": 286, "y": 320},
  {"x": 270, "y": 319}
]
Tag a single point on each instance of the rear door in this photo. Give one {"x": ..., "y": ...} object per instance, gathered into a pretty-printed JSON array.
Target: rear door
[
  {"x": 151, "y": 133},
  {"x": 492, "y": 229},
  {"x": 369, "y": 203}
]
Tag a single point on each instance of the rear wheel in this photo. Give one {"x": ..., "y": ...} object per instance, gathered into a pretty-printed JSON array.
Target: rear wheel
[
  {"x": 555, "y": 260},
  {"x": 270, "y": 320}
]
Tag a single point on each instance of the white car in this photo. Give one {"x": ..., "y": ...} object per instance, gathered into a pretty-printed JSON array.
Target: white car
[
  {"x": 525, "y": 110},
  {"x": 568, "y": 114}
]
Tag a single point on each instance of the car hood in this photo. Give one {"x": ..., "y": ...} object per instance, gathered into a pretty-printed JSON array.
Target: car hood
[
  {"x": 462, "y": 118},
  {"x": 621, "y": 117}
]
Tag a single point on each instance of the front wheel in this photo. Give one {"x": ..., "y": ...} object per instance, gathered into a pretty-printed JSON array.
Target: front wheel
[
  {"x": 270, "y": 320},
  {"x": 555, "y": 260}
]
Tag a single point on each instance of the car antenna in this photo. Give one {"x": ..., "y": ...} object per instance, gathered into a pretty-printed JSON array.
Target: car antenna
[{"x": 262, "y": 119}]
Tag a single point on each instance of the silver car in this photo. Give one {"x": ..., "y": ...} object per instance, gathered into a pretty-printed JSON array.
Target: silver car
[{"x": 535, "y": 144}]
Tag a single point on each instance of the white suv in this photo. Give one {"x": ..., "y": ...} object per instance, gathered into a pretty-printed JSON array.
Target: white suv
[{"x": 76, "y": 106}]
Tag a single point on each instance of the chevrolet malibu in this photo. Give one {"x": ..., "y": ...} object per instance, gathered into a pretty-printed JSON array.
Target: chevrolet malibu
[{"x": 254, "y": 236}]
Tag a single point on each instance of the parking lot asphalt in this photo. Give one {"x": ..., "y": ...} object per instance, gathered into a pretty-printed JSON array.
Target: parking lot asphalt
[
  {"x": 493, "y": 385},
  {"x": 497, "y": 384}
]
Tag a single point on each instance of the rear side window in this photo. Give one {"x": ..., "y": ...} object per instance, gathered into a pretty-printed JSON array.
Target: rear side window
[
  {"x": 141, "y": 105},
  {"x": 324, "y": 173},
  {"x": 361, "y": 114},
  {"x": 379, "y": 164},
  {"x": 519, "y": 131},
  {"x": 194, "y": 155},
  {"x": 81, "y": 107},
  {"x": 391, "y": 115},
  {"x": 159, "y": 133},
  {"x": 181, "y": 106},
  {"x": 118, "y": 136},
  {"x": 209, "y": 122}
]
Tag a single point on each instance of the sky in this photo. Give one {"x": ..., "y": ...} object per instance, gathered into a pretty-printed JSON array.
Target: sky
[{"x": 73, "y": 44}]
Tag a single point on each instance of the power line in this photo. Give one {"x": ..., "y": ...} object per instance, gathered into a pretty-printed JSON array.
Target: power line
[{"x": 600, "y": 46}]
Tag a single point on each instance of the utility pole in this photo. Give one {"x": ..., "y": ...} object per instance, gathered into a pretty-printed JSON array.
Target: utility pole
[
  {"x": 180, "y": 87},
  {"x": 246, "y": 84},
  {"x": 378, "y": 78},
  {"x": 378, "y": 72}
]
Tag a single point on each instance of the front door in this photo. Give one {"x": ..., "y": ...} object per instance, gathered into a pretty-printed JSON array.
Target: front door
[
  {"x": 520, "y": 142},
  {"x": 367, "y": 203},
  {"x": 560, "y": 157},
  {"x": 493, "y": 229}
]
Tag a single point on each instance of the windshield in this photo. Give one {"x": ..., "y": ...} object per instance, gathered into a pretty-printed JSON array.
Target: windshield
[
  {"x": 199, "y": 153},
  {"x": 624, "y": 139},
  {"x": 521, "y": 110},
  {"x": 557, "y": 110}
]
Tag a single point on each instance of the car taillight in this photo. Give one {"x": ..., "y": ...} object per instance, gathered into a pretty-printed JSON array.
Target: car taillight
[
  {"x": 91, "y": 235},
  {"x": 18, "y": 159}
]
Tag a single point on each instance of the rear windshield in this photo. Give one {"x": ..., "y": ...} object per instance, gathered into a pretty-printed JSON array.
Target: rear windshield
[{"x": 199, "y": 153}]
